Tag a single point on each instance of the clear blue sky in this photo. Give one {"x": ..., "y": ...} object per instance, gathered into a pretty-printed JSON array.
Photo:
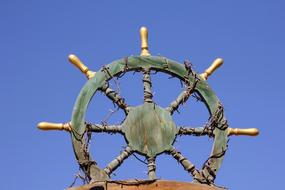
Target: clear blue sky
[{"x": 38, "y": 83}]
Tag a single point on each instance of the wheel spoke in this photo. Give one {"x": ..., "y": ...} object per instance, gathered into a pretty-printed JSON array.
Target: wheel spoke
[
  {"x": 195, "y": 131},
  {"x": 112, "y": 166},
  {"x": 115, "y": 97},
  {"x": 151, "y": 168},
  {"x": 182, "y": 97},
  {"x": 187, "y": 165},
  {"x": 147, "y": 86},
  {"x": 98, "y": 128}
]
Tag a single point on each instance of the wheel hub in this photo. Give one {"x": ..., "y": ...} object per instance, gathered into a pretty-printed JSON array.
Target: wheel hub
[{"x": 149, "y": 129}]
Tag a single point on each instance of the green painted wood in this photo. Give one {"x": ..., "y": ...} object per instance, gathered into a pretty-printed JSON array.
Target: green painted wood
[
  {"x": 149, "y": 129},
  {"x": 138, "y": 63}
]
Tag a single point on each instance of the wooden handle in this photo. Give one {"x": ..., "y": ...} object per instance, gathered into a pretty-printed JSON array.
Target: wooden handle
[
  {"x": 248, "y": 132},
  {"x": 83, "y": 68},
  {"x": 77, "y": 63},
  {"x": 215, "y": 65},
  {"x": 46, "y": 126},
  {"x": 144, "y": 41}
]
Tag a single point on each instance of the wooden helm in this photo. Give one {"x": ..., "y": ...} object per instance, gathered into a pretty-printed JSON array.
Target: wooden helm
[{"x": 149, "y": 129}]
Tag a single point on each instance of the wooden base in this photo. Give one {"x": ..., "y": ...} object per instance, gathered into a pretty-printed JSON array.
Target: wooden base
[{"x": 144, "y": 185}]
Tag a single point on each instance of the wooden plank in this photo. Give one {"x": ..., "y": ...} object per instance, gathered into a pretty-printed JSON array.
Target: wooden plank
[{"x": 144, "y": 185}]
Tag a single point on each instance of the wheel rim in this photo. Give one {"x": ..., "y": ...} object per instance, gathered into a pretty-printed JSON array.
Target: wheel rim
[{"x": 138, "y": 63}]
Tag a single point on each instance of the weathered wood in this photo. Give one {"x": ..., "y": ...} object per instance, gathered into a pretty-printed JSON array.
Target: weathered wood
[
  {"x": 149, "y": 129},
  {"x": 198, "y": 131},
  {"x": 112, "y": 166},
  {"x": 147, "y": 86},
  {"x": 182, "y": 98},
  {"x": 98, "y": 128},
  {"x": 141, "y": 185},
  {"x": 187, "y": 165},
  {"x": 115, "y": 97},
  {"x": 151, "y": 168},
  {"x": 161, "y": 64}
]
